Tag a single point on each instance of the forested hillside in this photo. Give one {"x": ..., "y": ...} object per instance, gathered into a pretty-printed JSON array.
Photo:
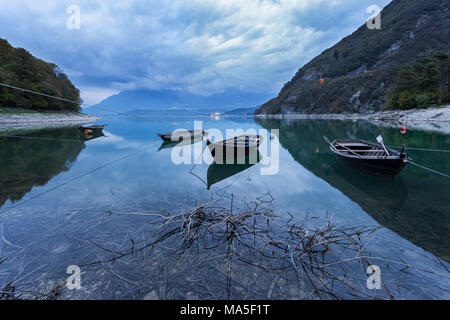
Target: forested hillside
[{"x": 19, "y": 68}]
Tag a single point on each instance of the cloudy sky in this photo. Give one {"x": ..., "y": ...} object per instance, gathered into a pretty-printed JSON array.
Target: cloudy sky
[{"x": 197, "y": 45}]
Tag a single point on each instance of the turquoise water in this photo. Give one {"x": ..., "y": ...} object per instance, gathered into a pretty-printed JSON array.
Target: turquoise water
[{"x": 60, "y": 195}]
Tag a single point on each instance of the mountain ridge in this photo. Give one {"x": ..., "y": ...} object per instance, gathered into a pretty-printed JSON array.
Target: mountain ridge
[{"x": 356, "y": 74}]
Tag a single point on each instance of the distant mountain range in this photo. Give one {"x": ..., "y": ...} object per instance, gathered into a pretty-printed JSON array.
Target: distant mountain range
[
  {"x": 357, "y": 74},
  {"x": 242, "y": 111},
  {"x": 173, "y": 101}
]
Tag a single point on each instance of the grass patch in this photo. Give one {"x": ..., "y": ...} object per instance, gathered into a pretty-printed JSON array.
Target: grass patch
[
  {"x": 4, "y": 110},
  {"x": 443, "y": 105},
  {"x": 12, "y": 111}
]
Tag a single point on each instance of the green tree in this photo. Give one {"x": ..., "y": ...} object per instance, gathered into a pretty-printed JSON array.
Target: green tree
[
  {"x": 407, "y": 100},
  {"x": 407, "y": 78},
  {"x": 19, "y": 68},
  {"x": 420, "y": 83},
  {"x": 431, "y": 76},
  {"x": 422, "y": 101}
]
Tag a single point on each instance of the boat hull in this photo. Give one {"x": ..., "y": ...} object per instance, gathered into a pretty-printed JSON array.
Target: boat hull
[
  {"x": 168, "y": 144},
  {"x": 181, "y": 135},
  {"x": 229, "y": 152},
  {"x": 388, "y": 168},
  {"x": 370, "y": 157}
]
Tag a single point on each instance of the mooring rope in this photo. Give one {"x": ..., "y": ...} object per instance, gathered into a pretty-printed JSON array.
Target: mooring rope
[
  {"x": 428, "y": 169},
  {"x": 74, "y": 179},
  {"x": 421, "y": 149},
  {"x": 195, "y": 164},
  {"x": 38, "y": 93}
]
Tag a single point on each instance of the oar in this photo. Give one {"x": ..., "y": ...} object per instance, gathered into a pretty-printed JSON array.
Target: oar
[
  {"x": 328, "y": 141},
  {"x": 380, "y": 141},
  {"x": 340, "y": 145}
]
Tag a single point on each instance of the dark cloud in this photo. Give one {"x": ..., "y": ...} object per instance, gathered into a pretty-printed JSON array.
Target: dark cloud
[{"x": 201, "y": 46}]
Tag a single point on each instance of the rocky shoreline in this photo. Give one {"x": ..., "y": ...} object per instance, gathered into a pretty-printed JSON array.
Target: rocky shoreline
[
  {"x": 431, "y": 119},
  {"x": 22, "y": 121}
]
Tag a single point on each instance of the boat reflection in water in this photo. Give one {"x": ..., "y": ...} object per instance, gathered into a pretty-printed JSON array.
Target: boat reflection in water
[
  {"x": 219, "y": 172},
  {"x": 414, "y": 204},
  {"x": 92, "y": 136}
]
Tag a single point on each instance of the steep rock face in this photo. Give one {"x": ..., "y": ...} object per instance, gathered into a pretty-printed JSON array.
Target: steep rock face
[{"x": 355, "y": 74}]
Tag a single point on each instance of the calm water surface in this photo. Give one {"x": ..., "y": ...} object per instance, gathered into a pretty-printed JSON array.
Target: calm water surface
[{"x": 49, "y": 175}]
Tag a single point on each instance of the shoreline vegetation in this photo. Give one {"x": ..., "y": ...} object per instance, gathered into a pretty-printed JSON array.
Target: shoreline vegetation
[
  {"x": 434, "y": 118},
  {"x": 21, "y": 69},
  {"x": 435, "y": 114}
]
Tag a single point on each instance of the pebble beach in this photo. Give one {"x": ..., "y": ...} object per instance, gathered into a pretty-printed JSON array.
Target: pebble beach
[
  {"x": 23, "y": 121},
  {"x": 431, "y": 119}
]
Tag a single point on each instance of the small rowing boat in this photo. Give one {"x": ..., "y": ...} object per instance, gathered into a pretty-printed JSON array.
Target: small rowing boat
[
  {"x": 369, "y": 156},
  {"x": 180, "y": 135},
  {"x": 227, "y": 150},
  {"x": 167, "y": 144}
]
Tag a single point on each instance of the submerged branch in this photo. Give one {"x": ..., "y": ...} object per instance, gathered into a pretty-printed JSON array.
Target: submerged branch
[{"x": 226, "y": 236}]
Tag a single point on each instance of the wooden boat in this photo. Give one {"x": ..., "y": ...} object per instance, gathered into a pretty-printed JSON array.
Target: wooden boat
[
  {"x": 179, "y": 135},
  {"x": 369, "y": 156},
  {"x": 226, "y": 151},
  {"x": 95, "y": 129},
  {"x": 167, "y": 144}
]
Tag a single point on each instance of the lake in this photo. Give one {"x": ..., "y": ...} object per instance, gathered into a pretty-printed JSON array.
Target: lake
[{"x": 137, "y": 224}]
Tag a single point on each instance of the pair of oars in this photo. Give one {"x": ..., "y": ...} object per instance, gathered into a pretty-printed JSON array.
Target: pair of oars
[
  {"x": 328, "y": 141},
  {"x": 379, "y": 139}
]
